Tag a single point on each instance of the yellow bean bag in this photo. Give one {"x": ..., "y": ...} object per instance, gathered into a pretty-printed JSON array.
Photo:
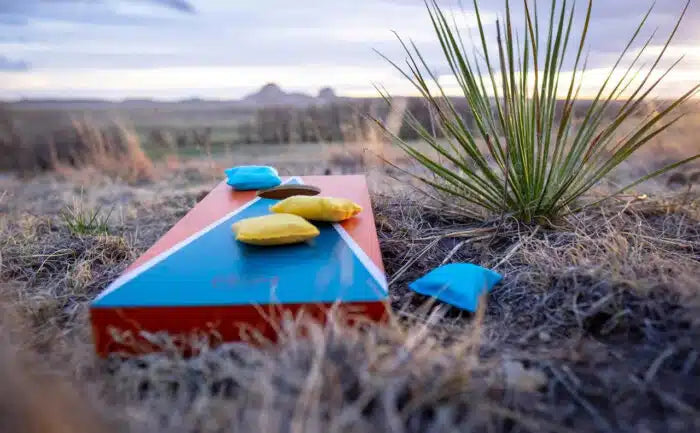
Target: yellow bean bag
[
  {"x": 318, "y": 208},
  {"x": 275, "y": 229}
]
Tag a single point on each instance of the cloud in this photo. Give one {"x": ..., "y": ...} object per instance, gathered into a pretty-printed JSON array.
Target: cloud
[
  {"x": 86, "y": 38},
  {"x": 29, "y": 7},
  {"x": 13, "y": 65},
  {"x": 132, "y": 13},
  {"x": 179, "y": 5}
]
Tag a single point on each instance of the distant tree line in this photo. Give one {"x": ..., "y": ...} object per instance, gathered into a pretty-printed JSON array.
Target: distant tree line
[
  {"x": 351, "y": 120},
  {"x": 345, "y": 120}
]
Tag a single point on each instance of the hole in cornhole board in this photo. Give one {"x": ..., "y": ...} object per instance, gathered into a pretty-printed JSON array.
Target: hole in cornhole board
[{"x": 284, "y": 191}]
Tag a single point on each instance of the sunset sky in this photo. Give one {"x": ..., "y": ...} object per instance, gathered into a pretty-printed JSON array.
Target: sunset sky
[{"x": 173, "y": 49}]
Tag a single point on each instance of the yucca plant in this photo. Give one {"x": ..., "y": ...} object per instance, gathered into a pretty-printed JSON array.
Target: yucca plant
[{"x": 536, "y": 160}]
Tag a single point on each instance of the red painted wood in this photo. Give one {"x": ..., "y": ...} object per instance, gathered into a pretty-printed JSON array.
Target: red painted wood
[{"x": 217, "y": 323}]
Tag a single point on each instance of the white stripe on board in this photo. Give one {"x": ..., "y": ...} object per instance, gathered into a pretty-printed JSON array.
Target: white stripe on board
[
  {"x": 167, "y": 253},
  {"x": 362, "y": 256}
]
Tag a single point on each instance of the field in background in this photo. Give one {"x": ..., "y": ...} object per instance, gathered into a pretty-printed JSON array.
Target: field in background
[{"x": 127, "y": 139}]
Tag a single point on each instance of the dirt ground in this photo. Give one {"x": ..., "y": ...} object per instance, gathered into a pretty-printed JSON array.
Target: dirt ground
[{"x": 595, "y": 327}]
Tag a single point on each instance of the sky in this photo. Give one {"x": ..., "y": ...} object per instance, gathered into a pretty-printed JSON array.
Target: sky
[{"x": 223, "y": 49}]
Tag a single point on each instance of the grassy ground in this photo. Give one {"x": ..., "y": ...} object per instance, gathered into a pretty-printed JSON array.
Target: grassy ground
[{"x": 594, "y": 328}]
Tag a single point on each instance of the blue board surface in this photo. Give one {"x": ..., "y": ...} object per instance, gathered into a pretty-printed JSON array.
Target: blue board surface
[{"x": 215, "y": 269}]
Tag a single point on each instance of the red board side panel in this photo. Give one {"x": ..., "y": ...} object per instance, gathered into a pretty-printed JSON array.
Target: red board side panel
[{"x": 217, "y": 323}]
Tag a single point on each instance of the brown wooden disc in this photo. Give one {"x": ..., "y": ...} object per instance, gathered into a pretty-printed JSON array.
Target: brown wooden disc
[{"x": 283, "y": 191}]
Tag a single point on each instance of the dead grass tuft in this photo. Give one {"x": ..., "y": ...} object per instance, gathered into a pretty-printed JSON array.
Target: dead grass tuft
[
  {"x": 65, "y": 144},
  {"x": 38, "y": 398},
  {"x": 116, "y": 151}
]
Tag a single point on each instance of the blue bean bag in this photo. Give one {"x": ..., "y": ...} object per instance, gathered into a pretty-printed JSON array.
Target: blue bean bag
[
  {"x": 250, "y": 177},
  {"x": 458, "y": 284}
]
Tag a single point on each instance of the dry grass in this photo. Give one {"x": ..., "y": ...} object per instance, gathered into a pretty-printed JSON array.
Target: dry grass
[
  {"x": 365, "y": 145},
  {"x": 676, "y": 144},
  {"x": 115, "y": 151},
  {"x": 64, "y": 144},
  {"x": 37, "y": 399},
  {"x": 595, "y": 327}
]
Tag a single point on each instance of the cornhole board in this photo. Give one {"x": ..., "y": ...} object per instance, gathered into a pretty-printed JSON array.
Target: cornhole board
[{"x": 197, "y": 279}]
